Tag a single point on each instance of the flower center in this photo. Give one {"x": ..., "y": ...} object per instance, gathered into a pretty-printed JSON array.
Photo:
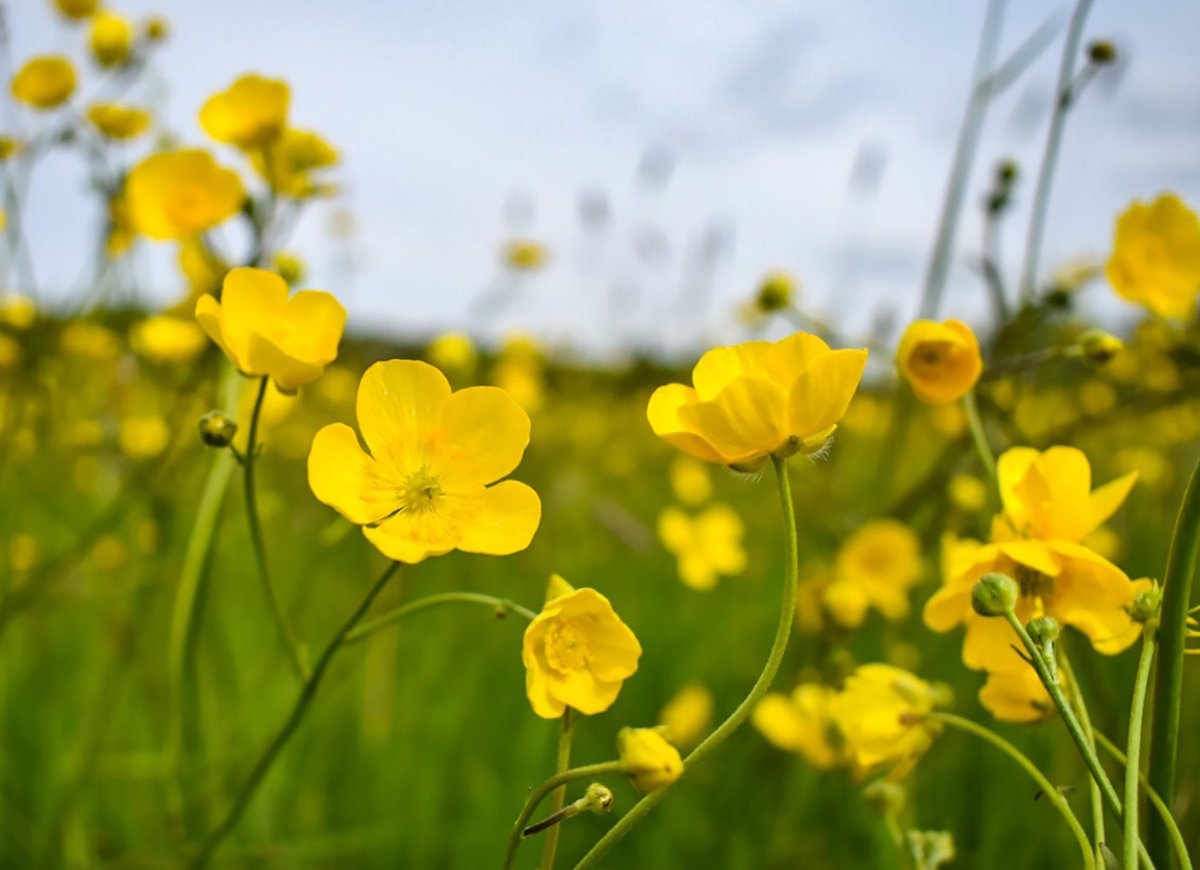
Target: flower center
[
  {"x": 566, "y": 645},
  {"x": 421, "y": 491}
]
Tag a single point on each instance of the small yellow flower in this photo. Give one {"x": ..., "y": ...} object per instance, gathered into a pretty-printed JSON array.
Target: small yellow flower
[
  {"x": 690, "y": 481},
  {"x": 110, "y": 39},
  {"x": 143, "y": 437},
  {"x": 1156, "y": 256},
  {"x": 688, "y": 715},
  {"x": 1016, "y": 695},
  {"x": 76, "y": 10},
  {"x": 267, "y": 334},
  {"x": 167, "y": 339},
  {"x": 758, "y": 398},
  {"x": 423, "y": 490},
  {"x": 10, "y": 352},
  {"x": 940, "y": 360},
  {"x": 881, "y": 561},
  {"x": 251, "y": 113},
  {"x": 649, "y": 760},
  {"x": 17, "y": 311},
  {"x": 577, "y": 652},
  {"x": 117, "y": 121},
  {"x": 525, "y": 255},
  {"x": 44, "y": 82},
  {"x": 967, "y": 493},
  {"x": 453, "y": 352},
  {"x": 881, "y": 713},
  {"x": 179, "y": 194},
  {"x": 706, "y": 546},
  {"x": 804, "y": 723},
  {"x": 92, "y": 341},
  {"x": 288, "y": 162}
]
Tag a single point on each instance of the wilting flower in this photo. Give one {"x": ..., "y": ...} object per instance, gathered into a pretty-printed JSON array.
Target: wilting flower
[
  {"x": 706, "y": 546},
  {"x": 577, "y": 652},
  {"x": 179, "y": 194},
  {"x": 76, "y": 10},
  {"x": 1016, "y": 695},
  {"x": 423, "y": 490},
  {"x": 110, "y": 39},
  {"x": 265, "y": 333},
  {"x": 803, "y": 722},
  {"x": 876, "y": 567},
  {"x": 688, "y": 715},
  {"x": 881, "y": 713},
  {"x": 251, "y": 113},
  {"x": 289, "y": 161},
  {"x": 649, "y": 760},
  {"x": 166, "y": 339},
  {"x": 940, "y": 360},
  {"x": 759, "y": 398},
  {"x": 117, "y": 121},
  {"x": 1156, "y": 256},
  {"x": 44, "y": 82}
]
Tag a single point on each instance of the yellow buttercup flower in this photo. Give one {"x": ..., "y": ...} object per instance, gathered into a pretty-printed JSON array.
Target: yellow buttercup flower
[
  {"x": 876, "y": 567},
  {"x": 706, "y": 546},
  {"x": 577, "y": 652},
  {"x": 251, "y": 113},
  {"x": 1156, "y": 256},
  {"x": 117, "y": 121},
  {"x": 803, "y": 722},
  {"x": 167, "y": 339},
  {"x": 265, "y": 333},
  {"x": 44, "y": 82},
  {"x": 649, "y": 760},
  {"x": 686, "y": 717},
  {"x": 759, "y": 398},
  {"x": 179, "y": 194},
  {"x": 110, "y": 39},
  {"x": 77, "y": 10},
  {"x": 289, "y": 161},
  {"x": 940, "y": 360},
  {"x": 881, "y": 713},
  {"x": 427, "y": 486},
  {"x": 1017, "y": 695}
]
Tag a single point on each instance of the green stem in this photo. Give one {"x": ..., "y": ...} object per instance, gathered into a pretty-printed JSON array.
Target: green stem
[
  {"x": 501, "y": 606},
  {"x": 558, "y": 798},
  {"x": 1052, "y": 794},
  {"x": 1095, "y": 798},
  {"x": 1168, "y": 674},
  {"x": 307, "y": 693},
  {"x": 787, "y": 615},
  {"x": 1164, "y": 812},
  {"x": 538, "y": 794},
  {"x": 979, "y": 438},
  {"x": 1134, "y": 748},
  {"x": 256, "y": 538}
]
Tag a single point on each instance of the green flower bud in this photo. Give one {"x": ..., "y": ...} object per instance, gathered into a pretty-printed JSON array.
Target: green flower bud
[
  {"x": 217, "y": 430},
  {"x": 1146, "y": 605},
  {"x": 776, "y": 291},
  {"x": 1101, "y": 52},
  {"x": 885, "y": 797},
  {"x": 1044, "y": 630},
  {"x": 994, "y": 595},
  {"x": 597, "y": 799}
]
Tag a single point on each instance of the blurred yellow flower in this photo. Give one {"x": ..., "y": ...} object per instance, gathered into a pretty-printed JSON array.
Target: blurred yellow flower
[
  {"x": 525, "y": 255},
  {"x": 690, "y": 480},
  {"x": 876, "y": 566},
  {"x": 24, "y": 551},
  {"x": 10, "y": 352},
  {"x": 424, "y": 488},
  {"x": 265, "y": 333},
  {"x": 1017, "y": 695},
  {"x": 203, "y": 270},
  {"x": 289, "y": 267},
  {"x": 157, "y": 29},
  {"x": 179, "y": 194},
  {"x": 17, "y": 311},
  {"x": 706, "y": 546},
  {"x": 110, "y": 39},
  {"x": 453, "y": 352},
  {"x": 10, "y": 147},
  {"x": 686, "y": 717},
  {"x": 1156, "y": 256},
  {"x": 287, "y": 163},
  {"x": 649, "y": 760},
  {"x": 87, "y": 340},
  {"x": 251, "y": 113},
  {"x": 940, "y": 360},
  {"x": 76, "y": 10},
  {"x": 44, "y": 82},
  {"x": 881, "y": 713},
  {"x": 117, "y": 121},
  {"x": 967, "y": 493},
  {"x": 803, "y": 722},
  {"x": 143, "y": 437},
  {"x": 577, "y": 652},
  {"x": 163, "y": 338},
  {"x": 758, "y": 398}
]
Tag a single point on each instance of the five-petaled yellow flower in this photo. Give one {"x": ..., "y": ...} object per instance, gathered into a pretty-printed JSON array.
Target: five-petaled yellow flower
[
  {"x": 119, "y": 122},
  {"x": 649, "y": 760},
  {"x": 44, "y": 82},
  {"x": 940, "y": 360},
  {"x": 803, "y": 722},
  {"x": 110, "y": 39},
  {"x": 427, "y": 486},
  {"x": 759, "y": 398},
  {"x": 251, "y": 113},
  {"x": 706, "y": 546},
  {"x": 179, "y": 194},
  {"x": 577, "y": 651},
  {"x": 881, "y": 713},
  {"x": 876, "y": 566},
  {"x": 1156, "y": 256}
]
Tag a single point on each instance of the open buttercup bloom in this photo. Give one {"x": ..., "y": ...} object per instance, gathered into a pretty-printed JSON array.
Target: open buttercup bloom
[
  {"x": 706, "y": 546},
  {"x": 251, "y": 113},
  {"x": 577, "y": 652},
  {"x": 650, "y": 761},
  {"x": 803, "y": 722},
  {"x": 428, "y": 483},
  {"x": 876, "y": 567},
  {"x": 1155, "y": 259},
  {"x": 118, "y": 122},
  {"x": 44, "y": 82},
  {"x": 941, "y": 361},
  {"x": 180, "y": 194},
  {"x": 759, "y": 398},
  {"x": 267, "y": 334},
  {"x": 881, "y": 714}
]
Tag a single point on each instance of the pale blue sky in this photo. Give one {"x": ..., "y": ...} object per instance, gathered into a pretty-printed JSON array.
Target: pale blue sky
[{"x": 447, "y": 111}]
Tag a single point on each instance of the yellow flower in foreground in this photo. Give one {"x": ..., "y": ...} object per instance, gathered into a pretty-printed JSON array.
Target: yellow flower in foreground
[
  {"x": 686, "y": 717},
  {"x": 1017, "y": 696},
  {"x": 803, "y": 722},
  {"x": 44, "y": 82},
  {"x": 1156, "y": 256},
  {"x": 76, "y": 10},
  {"x": 706, "y": 546},
  {"x": 881, "y": 713},
  {"x": 251, "y": 113},
  {"x": 759, "y": 398},
  {"x": 117, "y": 121},
  {"x": 649, "y": 760},
  {"x": 577, "y": 652},
  {"x": 287, "y": 163},
  {"x": 179, "y": 194},
  {"x": 167, "y": 339},
  {"x": 267, "y": 334},
  {"x": 690, "y": 481},
  {"x": 110, "y": 39},
  {"x": 423, "y": 490},
  {"x": 879, "y": 563},
  {"x": 940, "y": 360}
]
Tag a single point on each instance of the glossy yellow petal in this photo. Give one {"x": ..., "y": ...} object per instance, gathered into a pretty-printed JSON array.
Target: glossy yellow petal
[
  {"x": 412, "y": 537},
  {"x": 489, "y": 430},
  {"x": 1092, "y": 595},
  {"x": 663, "y": 413},
  {"x": 818, "y": 398},
  {"x": 1105, "y": 500},
  {"x": 784, "y": 360},
  {"x": 744, "y": 421},
  {"x": 1031, "y": 554},
  {"x": 504, "y": 522},
  {"x": 721, "y": 365},
  {"x": 399, "y": 406},
  {"x": 208, "y": 315},
  {"x": 1011, "y": 468},
  {"x": 264, "y": 357},
  {"x": 777, "y": 720},
  {"x": 315, "y": 321},
  {"x": 342, "y": 476},
  {"x": 1016, "y": 696}
]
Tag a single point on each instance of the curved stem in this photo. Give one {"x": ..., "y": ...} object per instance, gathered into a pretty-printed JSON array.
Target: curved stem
[
  {"x": 979, "y": 438},
  {"x": 538, "y": 794},
  {"x": 307, "y": 693},
  {"x": 1052, "y": 794},
  {"x": 762, "y": 684},
  {"x": 501, "y": 606},
  {"x": 559, "y": 797},
  {"x": 1095, "y": 798},
  {"x": 256, "y": 537},
  {"x": 1134, "y": 748}
]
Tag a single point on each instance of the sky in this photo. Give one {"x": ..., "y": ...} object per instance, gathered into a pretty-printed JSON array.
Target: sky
[{"x": 668, "y": 153}]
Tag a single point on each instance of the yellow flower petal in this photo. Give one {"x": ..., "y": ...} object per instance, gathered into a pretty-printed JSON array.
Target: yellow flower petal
[
  {"x": 663, "y": 413},
  {"x": 818, "y": 398},
  {"x": 507, "y": 517},
  {"x": 744, "y": 420},
  {"x": 342, "y": 476},
  {"x": 399, "y": 405},
  {"x": 490, "y": 431}
]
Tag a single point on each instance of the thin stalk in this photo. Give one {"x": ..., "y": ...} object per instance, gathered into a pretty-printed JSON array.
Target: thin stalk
[
  {"x": 1168, "y": 674},
  {"x": 1095, "y": 798},
  {"x": 307, "y": 693},
  {"x": 1134, "y": 748},
  {"x": 782, "y": 632},
  {"x": 256, "y": 538},
  {"x": 979, "y": 438},
  {"x": 1052, "y": 794},
  {"x": 538, "y": 794},
  {"x": 501, "y": 607},
  {"x": 558, "y": 798}
]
